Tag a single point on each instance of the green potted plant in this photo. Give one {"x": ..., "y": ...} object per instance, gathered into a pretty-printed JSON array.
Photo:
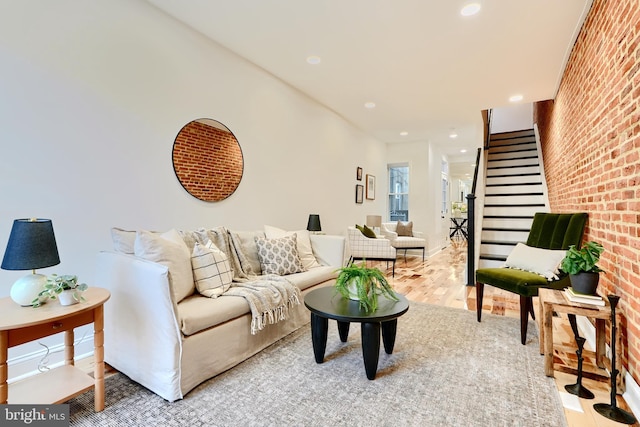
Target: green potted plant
[
  {"x": 358, "y": 282},
  {"x": 581, "y": 265},
  {"x": 65, "y": 288}
]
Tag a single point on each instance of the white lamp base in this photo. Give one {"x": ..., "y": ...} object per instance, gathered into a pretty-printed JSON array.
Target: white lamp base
[{"x": 26, "y": 289}]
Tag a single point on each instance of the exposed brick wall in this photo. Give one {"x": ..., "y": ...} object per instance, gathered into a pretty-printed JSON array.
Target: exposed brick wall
[
  {"x": 207, "y": 161},
  {"x": 591, "y": 146}
]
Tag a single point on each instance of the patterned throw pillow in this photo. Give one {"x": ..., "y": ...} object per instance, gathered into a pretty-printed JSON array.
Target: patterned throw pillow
[
  {"x": 211, "y": 270},
  {"x": 405, "y": 228},
  {"x": 279, "y": 256}
]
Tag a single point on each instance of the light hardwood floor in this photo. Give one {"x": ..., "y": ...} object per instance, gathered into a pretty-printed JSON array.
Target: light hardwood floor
[{"x": 441, "y": 280}]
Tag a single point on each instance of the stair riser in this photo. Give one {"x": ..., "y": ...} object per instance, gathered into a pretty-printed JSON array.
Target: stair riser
[
  {"x": 512, "y": 210},
  {"x": 510, "y": 189},
  {"x": 506, "y": 223},
  {"x": 513, "y": 135},
  {"x": 514, "y": 180},
  {"x": 513, "y": 163},
  {"x": 513, "y": 171},
  {"x": 485, "y": 263},
  {"x": 509, "y": 236},
  {"x": 514, "y": 200},
  {"x": 522, "y": 145},
  {"x": 503, "y": 250}
]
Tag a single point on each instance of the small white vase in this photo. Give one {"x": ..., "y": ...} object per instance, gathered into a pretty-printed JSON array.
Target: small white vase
[{"x": 66, "y": 297}]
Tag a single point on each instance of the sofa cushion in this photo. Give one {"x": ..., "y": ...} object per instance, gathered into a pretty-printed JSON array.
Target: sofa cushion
[
  {"x": 123, "y": 240},
  {"x": 245, "y": 246},
  {"x": 196, "y": 312},
  {"x": 302, "y": 241},
  {"x": 279, "y": 256},
  {"x": 211, "y": 270},
  {"x": 409, "y": 242},
  {"x": 313, "y": 276},
  {"x": 169, "y": 250},
  {"x": 405, "y": 228}
]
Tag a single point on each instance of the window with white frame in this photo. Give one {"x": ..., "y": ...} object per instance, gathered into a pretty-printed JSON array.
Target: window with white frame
[{"x": 399, "y": 192}]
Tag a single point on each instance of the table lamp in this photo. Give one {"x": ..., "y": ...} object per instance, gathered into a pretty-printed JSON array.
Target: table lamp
[
  {"x": 313, "y": 224},
  {"x": 32, "y": 244},
  {"x": 374, "y": 221}
]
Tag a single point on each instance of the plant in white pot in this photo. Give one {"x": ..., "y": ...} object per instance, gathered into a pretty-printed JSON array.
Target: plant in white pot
[
  {"x": 581, "y": 265},
  {"x": 65, "y": 288},
  {"x": 363, "y": 284}
]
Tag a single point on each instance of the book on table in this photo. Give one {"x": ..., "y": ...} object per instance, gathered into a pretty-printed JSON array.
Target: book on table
[{"x": 574, "y": 296}]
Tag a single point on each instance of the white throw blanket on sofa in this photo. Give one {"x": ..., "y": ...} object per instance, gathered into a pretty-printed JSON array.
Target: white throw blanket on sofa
[{"x": 269, "y": 298}]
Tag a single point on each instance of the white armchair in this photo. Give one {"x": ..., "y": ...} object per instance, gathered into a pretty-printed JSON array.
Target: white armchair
[
  {"x": 366, "y": 248},
  {"x": 415, "y": 241}
]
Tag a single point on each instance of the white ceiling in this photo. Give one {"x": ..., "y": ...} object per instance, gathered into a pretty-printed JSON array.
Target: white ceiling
[{"x": 428, "y": 69}]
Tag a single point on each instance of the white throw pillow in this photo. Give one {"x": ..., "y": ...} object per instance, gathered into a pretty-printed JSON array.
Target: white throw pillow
[
  {"x": 169, "y": 250},
  {"x": 211, "y": 270},
  {"x": 545, "y": 262},
  {"x": 279, "y": 256},
  {"x": 303, "y": 243}
]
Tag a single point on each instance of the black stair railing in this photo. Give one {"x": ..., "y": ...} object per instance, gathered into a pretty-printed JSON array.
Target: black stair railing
[{"x": 471, "y": 225}]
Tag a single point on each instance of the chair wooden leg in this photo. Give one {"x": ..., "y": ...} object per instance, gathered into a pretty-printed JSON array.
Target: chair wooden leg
[
  {"x": 479, "y": 295},
  {"x": 525, "y": 306}
]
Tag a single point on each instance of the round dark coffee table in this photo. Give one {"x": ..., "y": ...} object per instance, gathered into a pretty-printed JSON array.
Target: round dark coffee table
[{"x": 326, "y": 303}]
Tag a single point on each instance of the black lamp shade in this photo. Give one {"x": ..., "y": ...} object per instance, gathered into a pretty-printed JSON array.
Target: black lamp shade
[
  {"x": 314, "y": 223},
  {"x": 32, "y": 244}
]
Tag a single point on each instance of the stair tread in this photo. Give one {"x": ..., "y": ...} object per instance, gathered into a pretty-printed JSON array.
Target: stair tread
[
  {"x": 512, "y": 158},
  {"x": 513, "y": 184},
  {"x": 515, "y": 174},
  {"x": 493, "y": 257},
  {"x": 498, "y": 242},
  {"x": 508, "y": 216},
  {"x": 505, "y": 229}
]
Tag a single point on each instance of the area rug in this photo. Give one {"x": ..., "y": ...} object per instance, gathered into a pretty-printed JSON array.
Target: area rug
[{"x": 446, "y": 370}]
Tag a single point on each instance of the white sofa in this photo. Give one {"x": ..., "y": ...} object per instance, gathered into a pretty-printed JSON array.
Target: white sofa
[{"x": 171, "y": 346}]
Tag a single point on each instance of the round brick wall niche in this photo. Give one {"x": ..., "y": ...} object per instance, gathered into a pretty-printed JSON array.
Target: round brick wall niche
[{"x": 207, "y": 160}]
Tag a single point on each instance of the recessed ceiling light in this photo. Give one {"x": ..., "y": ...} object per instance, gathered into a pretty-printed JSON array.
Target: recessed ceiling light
[
  {"x": 313, "y": 60},
  {"x": 453, "y": 135},
  {"x": 515, "y": 98},
  {"x": 470, "y": 9},
  {"x": 463, "y": 151},
  {"x": 370, "y": 105},
  {"x": 404, "y": 133}
]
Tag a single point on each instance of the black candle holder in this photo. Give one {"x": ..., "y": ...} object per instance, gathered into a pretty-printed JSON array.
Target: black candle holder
[
  {"x": 612, "y": 411},
  {"x": 578, "y": 389}
]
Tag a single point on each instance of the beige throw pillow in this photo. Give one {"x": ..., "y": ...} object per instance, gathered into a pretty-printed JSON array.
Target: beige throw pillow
[
  {"x": 279, "y": 256},
  {"x": 303, "y": 242},
  {"x": 169, "y": 250},
  {"x": 544, "y": 262},
  {"x": 211, "y": 270},
  {"x": 405, "y": 228}
]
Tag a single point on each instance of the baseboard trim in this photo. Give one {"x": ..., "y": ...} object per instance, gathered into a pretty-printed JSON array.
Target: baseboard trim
[
  {"x": 28, "y": 364},
  {"x": 632, "y": 390}
]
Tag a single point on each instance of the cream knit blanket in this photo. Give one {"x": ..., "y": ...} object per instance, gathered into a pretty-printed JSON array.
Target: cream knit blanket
[{"x": 269, "y": 298}]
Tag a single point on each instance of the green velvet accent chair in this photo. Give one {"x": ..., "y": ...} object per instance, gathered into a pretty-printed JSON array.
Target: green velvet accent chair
[{"x": 548, "y": 231}]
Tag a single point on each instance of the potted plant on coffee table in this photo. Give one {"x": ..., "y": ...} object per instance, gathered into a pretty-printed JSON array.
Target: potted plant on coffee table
[
  {"x": 581, "y": 267},
  {"x": 65, "y": 288},
  {"x": 358, "y": 282}
]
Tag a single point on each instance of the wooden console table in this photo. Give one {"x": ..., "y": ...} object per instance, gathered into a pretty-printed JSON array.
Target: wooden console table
[
  {"x": 551, "y": 301},
  {"x": 19, "y": 325}
]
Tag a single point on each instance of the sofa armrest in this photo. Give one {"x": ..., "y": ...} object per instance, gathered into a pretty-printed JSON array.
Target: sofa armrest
[
  {"x": 328, "y": 249},
  {"x": 142, "y": 334}
]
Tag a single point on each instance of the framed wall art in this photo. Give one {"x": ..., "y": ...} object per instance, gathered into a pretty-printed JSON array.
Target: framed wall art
[
  {"x": 371, "y": 187},
  {"x": 359, "y": 193},
  {"x": 359, "y": 173}
]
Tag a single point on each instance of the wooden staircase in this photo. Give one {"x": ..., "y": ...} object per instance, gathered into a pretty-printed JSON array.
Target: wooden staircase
[{"x": 513, "y": 194}]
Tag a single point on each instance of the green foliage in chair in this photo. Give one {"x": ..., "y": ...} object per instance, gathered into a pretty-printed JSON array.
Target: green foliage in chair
[{"x": 548, "y": 231}]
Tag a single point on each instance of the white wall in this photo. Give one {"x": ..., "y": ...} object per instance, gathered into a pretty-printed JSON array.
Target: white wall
[
  {"x": 514, "y": 117},
  {"x": 92, "y": 95},
  {"x": 425, "y": 196}
]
